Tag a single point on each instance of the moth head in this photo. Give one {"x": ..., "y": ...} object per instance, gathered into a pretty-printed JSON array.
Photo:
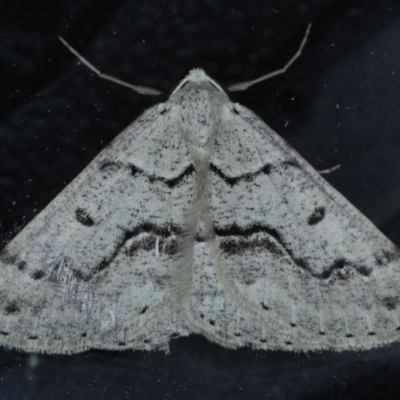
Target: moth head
[{"x": 197, "y": 77}]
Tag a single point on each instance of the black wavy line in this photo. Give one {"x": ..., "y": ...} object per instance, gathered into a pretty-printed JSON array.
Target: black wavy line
[
  {"x": 161, "y": 231},
  {"x": 226, "y": 246},
  {"x": 152, "y": 178},
  {"x": 266, "y": 169},
  {"x": 235, "y": 230}
]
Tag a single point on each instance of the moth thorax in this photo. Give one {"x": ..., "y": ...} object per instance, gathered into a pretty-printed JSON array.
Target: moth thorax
[{"x": 199, "y": 115}]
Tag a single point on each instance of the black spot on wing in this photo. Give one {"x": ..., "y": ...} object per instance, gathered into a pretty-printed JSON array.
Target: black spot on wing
[
  {"x": 144, "y": 309},
  {"x": 266, "y": 169},
  {"x": 38, "y": 274},
  {"x": 317, "y": 216},
  {"x": 21, "y": 265},
  {"x": 264, "y": 306},
  {"x": 134, "y": 170},
  {"x": 83, "y": 217},
  {"x": 12, "y": 308},
  {"x": 391, "y": 302}
]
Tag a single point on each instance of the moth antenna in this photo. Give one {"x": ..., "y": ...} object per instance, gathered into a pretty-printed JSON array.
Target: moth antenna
[{"x": 137, "y": 88}]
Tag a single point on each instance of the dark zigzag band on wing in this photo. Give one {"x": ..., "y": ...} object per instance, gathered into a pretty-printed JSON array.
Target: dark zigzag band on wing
[
  {"x": 265, "y": 169},
  {"x": 164, "y": 237},
  {"x": 236, "y": 240},
  {"x": 152, "y": 178}
]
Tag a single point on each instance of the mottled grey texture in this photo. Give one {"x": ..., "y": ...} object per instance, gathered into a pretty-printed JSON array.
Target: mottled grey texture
[{"x": 198, "y": 218}]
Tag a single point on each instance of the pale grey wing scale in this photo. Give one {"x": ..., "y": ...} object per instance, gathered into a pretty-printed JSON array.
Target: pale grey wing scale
[
  {"x": 294, "y": 263},
  {"x": 97, "y": 267},
  {"x": 133, "y": 252}
]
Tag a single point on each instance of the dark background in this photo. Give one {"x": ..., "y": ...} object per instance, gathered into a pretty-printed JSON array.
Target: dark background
[{"x": 338, "y": 104}]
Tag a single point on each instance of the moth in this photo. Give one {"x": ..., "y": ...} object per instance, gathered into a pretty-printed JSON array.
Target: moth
[{"x": 199, "y": 218}]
